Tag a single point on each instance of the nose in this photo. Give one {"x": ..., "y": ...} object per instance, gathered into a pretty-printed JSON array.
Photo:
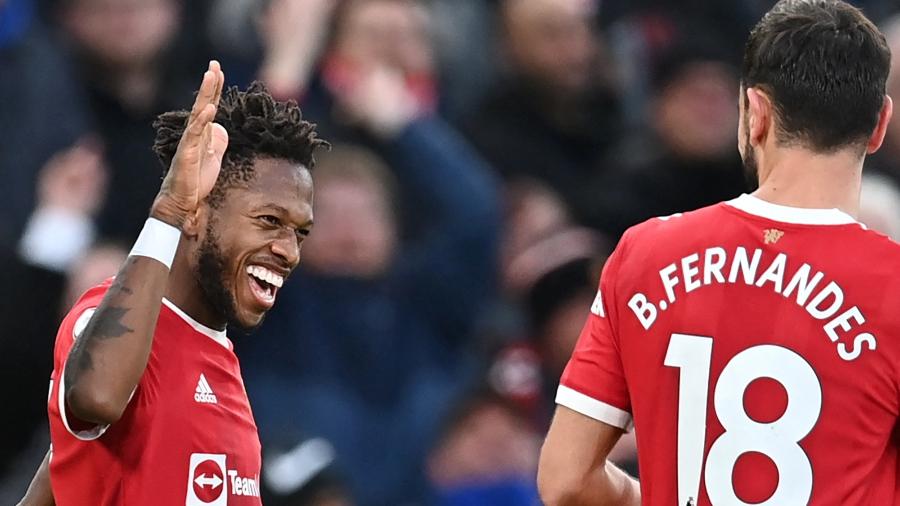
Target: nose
[{"x": 287, "y": 248}]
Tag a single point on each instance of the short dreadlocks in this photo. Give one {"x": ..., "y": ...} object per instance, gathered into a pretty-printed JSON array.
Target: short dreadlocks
[{"x": 257, "y": 125}]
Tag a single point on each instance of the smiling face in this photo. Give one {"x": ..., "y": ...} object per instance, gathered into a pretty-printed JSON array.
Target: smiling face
[{"x": 250, "y": 242}]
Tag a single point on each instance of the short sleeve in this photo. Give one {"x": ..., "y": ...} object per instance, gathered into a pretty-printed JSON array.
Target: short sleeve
[{"x": 593, "y": 382}]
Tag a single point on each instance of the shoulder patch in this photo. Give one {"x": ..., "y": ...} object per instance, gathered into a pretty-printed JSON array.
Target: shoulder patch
[{"x": 82, "y": 322}]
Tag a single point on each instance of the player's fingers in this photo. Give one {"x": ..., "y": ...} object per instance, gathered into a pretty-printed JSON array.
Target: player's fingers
[
  {"x": 207, "y": 88},
  {"x": 218, "y": 143},
  {"x": 216, "y": 68},
  {"x": 195, "y": 128}
]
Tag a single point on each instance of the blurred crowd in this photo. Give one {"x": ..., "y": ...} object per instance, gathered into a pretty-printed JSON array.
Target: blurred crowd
[{"x": 487, "y": 156}]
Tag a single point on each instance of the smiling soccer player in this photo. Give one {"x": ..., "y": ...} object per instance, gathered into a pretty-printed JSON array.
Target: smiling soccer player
[{"x": 147, "y": 405}]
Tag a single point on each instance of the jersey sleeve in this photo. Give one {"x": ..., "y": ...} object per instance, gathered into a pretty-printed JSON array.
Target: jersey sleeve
[
  {"x": 71, "y": 328},
  {"x": 593, "y": 382}
]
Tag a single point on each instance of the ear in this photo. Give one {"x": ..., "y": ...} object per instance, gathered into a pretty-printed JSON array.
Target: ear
[
  {"x": 884, "y": 119},
  {"x": 760, "y": 116}
]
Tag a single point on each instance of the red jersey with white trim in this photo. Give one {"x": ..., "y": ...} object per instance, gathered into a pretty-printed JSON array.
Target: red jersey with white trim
[
  {"x": 756, "y": 348},
  {"x": 187, "y": 436}
]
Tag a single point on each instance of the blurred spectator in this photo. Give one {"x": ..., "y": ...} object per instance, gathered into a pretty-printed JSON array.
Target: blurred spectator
[
  {"x": 375, "y": 75},
  {"x": 70, "y": 191},
  {"x": 369, "y": 343},
  {"x": 887, "y": 159},
  {"x": 58, "y": 232},
  {"x": 533, "y": 212},
  {"x": 303, "y": 476},
  {"x": 554, "y": 280},
  {"x": 553, "y": 116},
  {"x": 371, "y": 41},
  {"x": 41, "y": 112},
  {"x": 465, "y": 42},
  {"x": 487, "y": 455},
  {"x": 879, "y": 205},
  {"x": 135, "y": 62},
  {"x": 689, "y": 159}
]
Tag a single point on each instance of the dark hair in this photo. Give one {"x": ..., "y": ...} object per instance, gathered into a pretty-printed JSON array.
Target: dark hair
[
  {"x": 825, "y": 67},
  {"x": 257, "y": 125}
]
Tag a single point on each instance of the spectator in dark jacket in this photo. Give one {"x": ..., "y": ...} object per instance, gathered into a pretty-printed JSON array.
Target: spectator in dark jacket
[
  {"x": 554, "y": 116},
  {"x": 41, "y": 113},
  {"x": 687, "y": 159}
]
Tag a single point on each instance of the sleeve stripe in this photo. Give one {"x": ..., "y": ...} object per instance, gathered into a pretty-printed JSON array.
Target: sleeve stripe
[{"x": 590, "y": 407}]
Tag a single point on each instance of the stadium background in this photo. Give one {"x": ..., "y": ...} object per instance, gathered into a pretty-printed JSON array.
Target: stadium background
[{"x": 487, "y": 156}]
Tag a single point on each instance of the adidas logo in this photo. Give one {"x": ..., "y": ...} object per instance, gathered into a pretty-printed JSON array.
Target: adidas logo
[{"x": 204, "y": 393}]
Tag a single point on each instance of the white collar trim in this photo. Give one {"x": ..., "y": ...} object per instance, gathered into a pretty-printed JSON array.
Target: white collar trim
[
  {"x": 216, "y": 335},
  {"x": 797, "y": 215}
]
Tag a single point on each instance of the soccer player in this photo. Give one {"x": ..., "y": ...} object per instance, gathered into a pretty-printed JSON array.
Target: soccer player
[
  {"x": 754, "y": 344},
  {"x": 147, "y": 405}
]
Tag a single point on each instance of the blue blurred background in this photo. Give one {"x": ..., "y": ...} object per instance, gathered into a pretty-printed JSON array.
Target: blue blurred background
[{"x": 487, "y": 157}]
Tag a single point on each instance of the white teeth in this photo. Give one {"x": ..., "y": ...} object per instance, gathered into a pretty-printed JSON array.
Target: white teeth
[{"x": 266, "y": 275}]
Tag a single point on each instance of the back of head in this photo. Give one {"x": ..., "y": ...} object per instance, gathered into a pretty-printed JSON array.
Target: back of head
[{"x": 824, "y": 65}]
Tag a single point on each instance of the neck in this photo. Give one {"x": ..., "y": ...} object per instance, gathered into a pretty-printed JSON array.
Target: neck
[
  {"x": 800, "y": 178},
  {"x": 185, "y": 292}
]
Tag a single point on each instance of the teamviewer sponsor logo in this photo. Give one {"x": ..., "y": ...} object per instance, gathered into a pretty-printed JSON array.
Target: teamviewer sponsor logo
[
  {"x": 206, "y": 481},
  {"x": 204, "y": 393}
]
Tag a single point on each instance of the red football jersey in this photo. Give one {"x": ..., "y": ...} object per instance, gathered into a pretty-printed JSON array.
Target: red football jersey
[
  {"x": 756, "y": 348},
  {"x": 187, "y": 436}
]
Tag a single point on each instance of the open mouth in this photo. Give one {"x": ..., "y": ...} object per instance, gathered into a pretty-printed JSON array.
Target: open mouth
[{"x": 264, "y": 284}]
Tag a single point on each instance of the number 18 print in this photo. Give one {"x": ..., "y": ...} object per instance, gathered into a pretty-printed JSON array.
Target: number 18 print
[{"x": 778, "y": 440}]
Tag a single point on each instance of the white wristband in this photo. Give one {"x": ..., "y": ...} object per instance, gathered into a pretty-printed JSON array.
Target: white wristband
[{"x": 158, "y": 240}]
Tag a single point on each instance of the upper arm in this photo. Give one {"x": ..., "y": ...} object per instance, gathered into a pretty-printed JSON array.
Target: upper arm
[
  {"x": 577, "y": 445},
  {"x": 573, "y": 467}
]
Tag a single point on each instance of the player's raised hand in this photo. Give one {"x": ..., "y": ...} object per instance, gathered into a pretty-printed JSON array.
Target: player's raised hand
[{"x": 198, "y": 159}]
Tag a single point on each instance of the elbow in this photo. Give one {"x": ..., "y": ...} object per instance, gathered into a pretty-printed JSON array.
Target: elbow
[
  {"x": 92, "y": 405},
  {"x": 556, "y": 487}
]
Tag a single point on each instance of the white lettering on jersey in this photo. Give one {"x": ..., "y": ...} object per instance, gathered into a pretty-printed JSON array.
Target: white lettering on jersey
[
  {"x": 243, "y": 486},
  {"x": 204, "y": 393},
  {"x": 823, "y": 301},
  {"x": 209, "y": 482}
]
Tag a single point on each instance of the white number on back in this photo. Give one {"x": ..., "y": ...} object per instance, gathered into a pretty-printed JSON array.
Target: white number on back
[{"x": 778, "y": 440}]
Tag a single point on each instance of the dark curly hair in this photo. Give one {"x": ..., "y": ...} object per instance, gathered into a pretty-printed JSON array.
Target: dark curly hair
[{"x": 257, "y": 125}]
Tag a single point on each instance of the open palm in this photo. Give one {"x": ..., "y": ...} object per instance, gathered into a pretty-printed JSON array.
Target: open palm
[{"x": 198, "y": 159}]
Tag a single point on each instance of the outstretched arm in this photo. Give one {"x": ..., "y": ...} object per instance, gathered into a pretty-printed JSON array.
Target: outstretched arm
[
  {"x": 39, "y": 492},
  {"x": 573, "y": 470},
  {"x": 109, "y": 357}
]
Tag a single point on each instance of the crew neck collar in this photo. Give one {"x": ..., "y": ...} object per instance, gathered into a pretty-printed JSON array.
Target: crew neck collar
[
  {"x": 786, "y": 214},
  {"x": 218, "y": 336}
]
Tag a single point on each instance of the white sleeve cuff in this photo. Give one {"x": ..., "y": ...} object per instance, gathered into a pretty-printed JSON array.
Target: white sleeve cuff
[
  {"x": 590, "y": 407},
  {"x": 55, "y": 237}
]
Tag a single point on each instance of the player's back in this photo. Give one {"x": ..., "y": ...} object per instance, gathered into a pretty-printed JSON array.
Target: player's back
[{"x": 759, "y": 345}]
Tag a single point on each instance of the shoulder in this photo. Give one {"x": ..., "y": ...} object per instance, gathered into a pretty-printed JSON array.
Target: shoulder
[
  {"x": 676, "y": 228},
  {"x": 78, "y": 317}
]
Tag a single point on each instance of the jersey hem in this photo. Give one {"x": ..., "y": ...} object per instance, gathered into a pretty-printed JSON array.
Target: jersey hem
[{"x": 590, "y": 407}]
